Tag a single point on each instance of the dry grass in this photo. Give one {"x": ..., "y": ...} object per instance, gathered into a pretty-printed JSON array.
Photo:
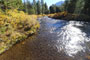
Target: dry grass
[{"x": 58, "y": 15}]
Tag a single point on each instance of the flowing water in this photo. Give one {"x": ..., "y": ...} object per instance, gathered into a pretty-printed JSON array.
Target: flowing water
[{"x": 56, "y": 40}]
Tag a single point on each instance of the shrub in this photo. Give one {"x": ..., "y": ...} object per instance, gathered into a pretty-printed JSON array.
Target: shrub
[{"x": 15, "y": 26}]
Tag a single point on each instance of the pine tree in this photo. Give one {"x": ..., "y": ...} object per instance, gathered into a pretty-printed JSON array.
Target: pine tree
[
  {"x": 86, "y": 9},
  {"x": 79, "y": 6},
  {"x": 52, "y": 9},
  {"x": 66, "y": 5},
  {"x": 26, "y": 6},
  {"x": 46, "y": 9},
  {"x": 58, "y": 9},
  {"x": 43, "y": 7},
  {"x": 35, "y": 6},
  {"x": 38, "y": 7},
  {"x": 70, "y": 5}
]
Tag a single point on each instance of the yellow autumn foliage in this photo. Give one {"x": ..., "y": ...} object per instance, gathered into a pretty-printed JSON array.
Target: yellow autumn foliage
[
  {"x": 60, "y": 14},
  {"x": 16, "y": 25}
]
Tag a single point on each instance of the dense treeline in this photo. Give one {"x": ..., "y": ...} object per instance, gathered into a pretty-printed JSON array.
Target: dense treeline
[
  {"x": 72, "y": 6},
  {"x": 40, "y": 7},
  {"x": 36, "y": 7},
  {"x": 72, "y": 10},
  {"x": 54, "y": 9},
  {"x": 77, "y": 6},
  {"x": 10, "y": 4}
]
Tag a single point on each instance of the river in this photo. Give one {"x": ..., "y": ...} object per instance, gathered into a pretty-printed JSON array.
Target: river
[{"x": 56, "y": 40}]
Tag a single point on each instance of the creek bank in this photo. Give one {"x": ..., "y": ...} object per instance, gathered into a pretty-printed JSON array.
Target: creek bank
[
  {"x": 16, "y": 26},
  {"x": 69, "y": 17}
]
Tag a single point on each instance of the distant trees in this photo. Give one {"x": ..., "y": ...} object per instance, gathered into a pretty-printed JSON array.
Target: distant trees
[
  {"x": 70, "y": 5},
  {"x": 66, "y": 5},
  {"x": 37, "y": 7},
  {"x": 58, "y": 9},
  {"x": 86, "y": 9},
  {"x": 54, "y": 9},
  {"x": 10, "y": 4},
  {"x": 77, "y": 6},
  {"x": 43, "y": 6},
  {"x": 40, "y": 7},
  {"x": 30, "y": 8},
  {"x": 46, "y": 11}
]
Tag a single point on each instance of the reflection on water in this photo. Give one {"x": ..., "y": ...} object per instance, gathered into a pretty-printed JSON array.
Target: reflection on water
[
  {"x": 70, "y": 37},
  {"x": 57, "y": 40}
]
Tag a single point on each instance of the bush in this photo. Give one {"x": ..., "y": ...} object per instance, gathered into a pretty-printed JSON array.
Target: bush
[{"x": 15, "y": 26}]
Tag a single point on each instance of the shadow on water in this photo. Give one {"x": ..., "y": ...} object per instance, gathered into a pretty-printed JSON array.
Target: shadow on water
[{"x": 56, "y": 40}]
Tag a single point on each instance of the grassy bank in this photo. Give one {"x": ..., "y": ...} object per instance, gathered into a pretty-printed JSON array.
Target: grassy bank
[
  {"x": 15, "y": 26},
  {"x": 68, "y": 16}
]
